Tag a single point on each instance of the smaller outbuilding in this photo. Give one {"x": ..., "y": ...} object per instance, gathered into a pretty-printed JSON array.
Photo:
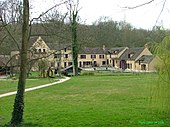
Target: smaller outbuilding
[
  {"x": 4, "y": 64},
  {"x": 147, "y": 63}
]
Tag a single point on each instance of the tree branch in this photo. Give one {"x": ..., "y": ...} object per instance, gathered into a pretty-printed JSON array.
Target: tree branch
[
  {"x": 8, "y": 62},
  {"x": 42, "y": 57},
  {"x": 3, "y": 38},
  {"x": 163, "y": 6},
  {"x": 48, "y": 11},
  {"x": 139, "y": 5}
]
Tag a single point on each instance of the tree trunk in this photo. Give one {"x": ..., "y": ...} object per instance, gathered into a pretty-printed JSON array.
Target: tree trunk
[
  {"x": 59, "y": 67},
  {"x": 17, "y": 115},
  {"x": 74, "y": 43}
]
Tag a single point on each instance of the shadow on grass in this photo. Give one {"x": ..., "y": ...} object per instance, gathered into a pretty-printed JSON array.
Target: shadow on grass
[{"x": 25, "y": 125}]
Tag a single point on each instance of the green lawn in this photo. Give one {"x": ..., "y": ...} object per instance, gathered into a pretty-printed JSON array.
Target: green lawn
[
  {"x": 10, "y": 85},
  {"x": 91, "y": 101}
]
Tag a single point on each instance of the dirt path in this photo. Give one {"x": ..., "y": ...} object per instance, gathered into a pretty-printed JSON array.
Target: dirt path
[{"x": 37, "y": 87}]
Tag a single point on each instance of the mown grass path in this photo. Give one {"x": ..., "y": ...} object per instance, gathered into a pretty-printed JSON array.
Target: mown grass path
[
  {"x": 9, "y": 85},
  {"x": 36, "y": 87}
]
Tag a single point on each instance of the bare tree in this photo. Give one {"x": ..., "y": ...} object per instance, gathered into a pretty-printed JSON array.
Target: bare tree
[
  {"x": 73, "y": 8},
  {"x": 140, "y": 5},
  {"x": 11, "y": 11},
  {"x": 17, "y": 115}
]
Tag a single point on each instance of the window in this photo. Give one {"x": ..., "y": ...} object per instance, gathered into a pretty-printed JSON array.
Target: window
[
  {"x": 80, "y": 64},
  {"x": 86, "y": 63},
  {"x": 130, "y": 55},
  {"x": 65, "y": 49},
  {"x": 101, "y": 56},
  {"x": 43, "y": 50},
  {"x": 143, "y": 67},
  {"x": 65, "y": 64},
  {"x": 140, "y": 62},
  {"x": 115, "y": 51},
  {"x": 129, "y": 66},
  {"x": 56, "y": 55},
  {"x": 66, "y": 56},
  {"x": 83, "y": 56},
  {"x": 103, "y": 62},
  {"x": 93, "y": 56},
  {"x": 39, "y": 50},
  {"x": 69, "y": 63},
  {"x": 107, "y": 61}
]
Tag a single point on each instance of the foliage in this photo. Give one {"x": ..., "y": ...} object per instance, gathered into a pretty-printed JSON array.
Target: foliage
[
  {"x": 110, "y": 34},
  {"x": 163, "y": 51},
  {"x": 42, "y": 66},
  {"x": 161, "y": 92},
  {"x": 11, "y": 11},
  {"x": 102, "y": 101}
]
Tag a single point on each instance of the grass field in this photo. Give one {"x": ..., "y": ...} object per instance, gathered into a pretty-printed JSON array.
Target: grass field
[
  {"x": 91, "y": 101},
  {"x": 10, "y": 85}
]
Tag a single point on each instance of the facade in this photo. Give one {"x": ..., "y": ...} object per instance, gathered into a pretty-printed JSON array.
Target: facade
[
  {"x": 147, "y": 63},
  {"x": 63, "y": 57},
  {"x": 39, "y": 53},
  {"x": 92, "y": 57},
  {"x": 135, "y": 59},
  {"x": 113, "y": 56},
  {"x": 140, "y": 59}
]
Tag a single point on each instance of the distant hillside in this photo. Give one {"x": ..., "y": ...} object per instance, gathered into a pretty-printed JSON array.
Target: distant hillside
[{"x": 110, "y": 34}]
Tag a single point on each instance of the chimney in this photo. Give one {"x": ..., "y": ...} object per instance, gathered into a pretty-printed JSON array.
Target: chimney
[
  {"x": 146, "y": 46},
  {"x": 104, "y": 48}
]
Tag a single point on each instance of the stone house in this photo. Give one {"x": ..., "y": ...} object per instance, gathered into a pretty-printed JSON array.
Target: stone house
[
  {"x": 119, "y": 57},
  {"x": 40, "y": 51},
  {"x": 147, "y": 63},
  {"x": 113, "y": 56},
  {"x": 140, "y": 59},
  {"x": 92, "y": 57},
  {"x": 63, "y": 57}
]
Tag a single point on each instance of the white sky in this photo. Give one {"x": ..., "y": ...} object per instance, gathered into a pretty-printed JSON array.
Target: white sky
[{"x": 91, "y": 10}]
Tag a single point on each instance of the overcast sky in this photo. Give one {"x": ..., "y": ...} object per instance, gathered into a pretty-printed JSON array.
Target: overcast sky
[{"x": 91, "y": 10}]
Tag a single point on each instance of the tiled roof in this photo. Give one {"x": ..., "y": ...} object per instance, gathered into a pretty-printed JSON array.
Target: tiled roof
[
  {"x": 34, "y": 39},
  {"x": 116, "y": 50},
  {"x": 63, "y": 46},
  {"x": 146, "y": 58},
  {"x": 88, "y": 50},
  {"x": 132, "y": 52},
  {"x": 49, "y": 42}
]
